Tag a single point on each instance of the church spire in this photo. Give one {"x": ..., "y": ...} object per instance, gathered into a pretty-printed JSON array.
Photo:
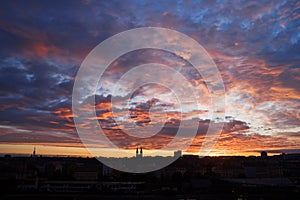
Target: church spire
[
  {"x": 34, "y": 152},
  {"x": 139, "y": 152}
]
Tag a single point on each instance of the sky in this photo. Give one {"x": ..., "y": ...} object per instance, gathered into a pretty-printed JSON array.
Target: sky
[{"x": 254, "y": 44}]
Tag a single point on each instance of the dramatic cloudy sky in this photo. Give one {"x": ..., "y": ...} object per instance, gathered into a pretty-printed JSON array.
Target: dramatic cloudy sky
[{"x": 255, "y": 45}]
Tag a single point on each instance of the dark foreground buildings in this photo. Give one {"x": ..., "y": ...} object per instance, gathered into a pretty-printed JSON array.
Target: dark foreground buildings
[{"x": 190, "y": 177}]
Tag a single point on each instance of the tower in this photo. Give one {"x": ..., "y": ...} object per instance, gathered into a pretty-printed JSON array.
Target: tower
[
  {"x": 139, "y": 152},
  {"x": 34, "y": 152}
]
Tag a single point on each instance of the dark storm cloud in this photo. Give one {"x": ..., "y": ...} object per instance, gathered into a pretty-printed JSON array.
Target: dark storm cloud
[{"x": 72, "y": 28}]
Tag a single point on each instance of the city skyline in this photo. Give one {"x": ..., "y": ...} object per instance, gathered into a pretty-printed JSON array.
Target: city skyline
[{"x": 255, "y": 45}]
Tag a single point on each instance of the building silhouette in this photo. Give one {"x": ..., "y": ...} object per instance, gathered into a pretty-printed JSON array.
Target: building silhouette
[
  {"x": 263, "y": 154},
  {"x": 34, "y": 153},
  {"x": 177, "y": 154},
  {"x": 137, "y": 152}
]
